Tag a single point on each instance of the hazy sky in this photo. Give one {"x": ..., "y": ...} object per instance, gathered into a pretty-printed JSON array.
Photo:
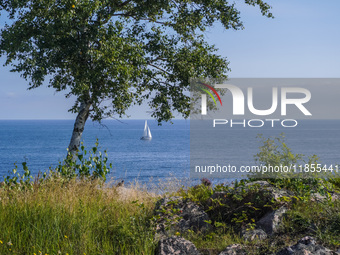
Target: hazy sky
[{"x": 301, "y": 42}]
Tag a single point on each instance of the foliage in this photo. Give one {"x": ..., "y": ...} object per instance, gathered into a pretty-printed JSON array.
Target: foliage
[
  {"x": 239, "y": 205},
  {"x": 319, "y": 219},
  {"x": 17, "y": 180},
  {"x": 199, "y": 193},
  {"x": 94, "y": 166},
  {"x": 275, "y": 152},
  {"x": 77, "y": 219},
  {"x": 335, "y": 181},
  {"x": 118, "y": 52}
]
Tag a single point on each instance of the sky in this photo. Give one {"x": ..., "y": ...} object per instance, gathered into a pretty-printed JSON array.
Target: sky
[{"x": 302, "y": 41}]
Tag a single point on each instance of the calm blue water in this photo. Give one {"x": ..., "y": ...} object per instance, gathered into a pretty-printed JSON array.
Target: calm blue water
[{"x": 42, "y": 143}]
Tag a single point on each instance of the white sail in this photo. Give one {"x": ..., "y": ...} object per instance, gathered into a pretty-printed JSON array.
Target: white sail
[
  {"x": 146, "y": 133},
  {"x": 149, "y": 133}
]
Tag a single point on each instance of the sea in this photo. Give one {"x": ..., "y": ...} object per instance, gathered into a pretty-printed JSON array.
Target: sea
[{"x": 42, "y": 144}]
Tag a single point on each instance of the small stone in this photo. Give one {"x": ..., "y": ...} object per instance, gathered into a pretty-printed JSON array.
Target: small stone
[
  {"x": 254, "y": 234},
  {"x": 234, "y": 249},
  {"x": 180, "y": 215},
  {"x": 259, "y": 183},
  {"x": 306, "y": 246},
  {"x": 317, "y": 197},
  {"x": 272, "y": 221},
  {"x": 176, "y": 246}
]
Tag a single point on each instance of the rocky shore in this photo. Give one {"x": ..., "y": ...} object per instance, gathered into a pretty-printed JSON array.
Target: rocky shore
[{"x": 267, "y": 204}]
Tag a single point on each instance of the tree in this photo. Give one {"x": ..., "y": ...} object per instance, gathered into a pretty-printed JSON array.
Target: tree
[{"x": 111, "y": 54}]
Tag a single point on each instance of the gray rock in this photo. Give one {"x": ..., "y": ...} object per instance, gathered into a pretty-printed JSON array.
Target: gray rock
[
  {"x": 318, "y": 197},
  {"x": 259, "y": 183},
  {"x": 234, "y": 249},
  {"x": 335, "y": 196},
  {"x": 321, "y": 198},
  {"x": 268, "y": 190},
  {"x": 277, "y": 194},
  {"x": 255, "y": 234},
  {"x": 176, "y": 246},
  {"x": 226, "y": 204},
  {"x": 179, "y": 215},
  {"x": 306, "y": 246},
  {"x": 272, "y": 221}
]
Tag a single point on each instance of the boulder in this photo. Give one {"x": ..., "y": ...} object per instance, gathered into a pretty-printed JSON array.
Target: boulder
[
  {"x": 234, "y": 249},
  {"x": 265, "y": 189},
  {"x": 272, "y": 221},
  {"x": 272, "y": 191},
  {"x": 260, "y": 194},
  {"x": 176, "y": 246},
  {"x": 276, "y": 194},
  {"x": 317, "y": 197},
  {"x": 176, "y": 214},
  {"x": 306, "y": 246},
  {"x": 254, "y": 234}
]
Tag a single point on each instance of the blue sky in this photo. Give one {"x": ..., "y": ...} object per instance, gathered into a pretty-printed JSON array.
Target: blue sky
[{"x": 301, "y": 42}]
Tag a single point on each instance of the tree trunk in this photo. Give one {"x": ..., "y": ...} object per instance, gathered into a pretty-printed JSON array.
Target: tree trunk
[{"x": 78, "y": 128}]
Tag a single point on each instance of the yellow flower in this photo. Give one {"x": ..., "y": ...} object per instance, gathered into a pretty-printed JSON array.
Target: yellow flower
[
  {"x": 73, "y": 6},
  {"x": 66, "y": 236},
  {"x": 1, "y": 242}
]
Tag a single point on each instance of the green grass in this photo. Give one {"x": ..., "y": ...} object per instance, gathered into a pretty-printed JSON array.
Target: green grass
[
  {"x": 75, "y": 218},
  {"x": 82, "y": 217},
  {"x": 319, "y": 219}
]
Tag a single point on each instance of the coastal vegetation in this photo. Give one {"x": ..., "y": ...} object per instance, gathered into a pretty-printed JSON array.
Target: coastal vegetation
[{"x": 72, "y": 210}]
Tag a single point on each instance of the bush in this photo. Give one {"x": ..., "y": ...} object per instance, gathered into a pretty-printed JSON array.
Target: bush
[
  {"x": 93, "y": 166},
  {"x": 275, "y": 152}
]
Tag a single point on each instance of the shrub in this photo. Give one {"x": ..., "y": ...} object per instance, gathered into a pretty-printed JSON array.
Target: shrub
[
  {"x": 275, "y": 152},
  {"x": 92, "y": 166}
]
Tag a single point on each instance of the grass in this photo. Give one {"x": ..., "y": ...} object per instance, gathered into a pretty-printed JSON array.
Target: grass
[
  {"x": 320, "y": 219},
  {"x": 75, "y": 218},
  {"x": 78, "y": 217}
]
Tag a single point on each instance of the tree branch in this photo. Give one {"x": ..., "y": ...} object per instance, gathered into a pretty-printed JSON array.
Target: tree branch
[{"x": 164, "y": 71}]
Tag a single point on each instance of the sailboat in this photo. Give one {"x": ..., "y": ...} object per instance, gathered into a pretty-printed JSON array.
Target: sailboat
[{"x": 147, "y": 133}]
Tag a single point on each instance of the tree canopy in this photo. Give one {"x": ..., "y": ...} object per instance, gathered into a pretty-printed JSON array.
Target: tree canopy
[{"x": 111, "y": 54}]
